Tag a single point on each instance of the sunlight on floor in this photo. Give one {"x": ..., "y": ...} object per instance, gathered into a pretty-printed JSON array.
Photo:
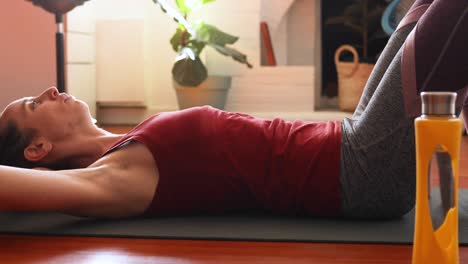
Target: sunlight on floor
[{"x": 113, "y": 256}]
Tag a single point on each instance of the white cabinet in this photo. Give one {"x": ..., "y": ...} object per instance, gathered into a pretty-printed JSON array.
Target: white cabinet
[
  {"x": 120, "y": 61},
  {"x": 81, "y": 58}
]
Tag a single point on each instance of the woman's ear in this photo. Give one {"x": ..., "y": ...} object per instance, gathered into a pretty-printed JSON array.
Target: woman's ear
[{"x": 38, "y": 149}]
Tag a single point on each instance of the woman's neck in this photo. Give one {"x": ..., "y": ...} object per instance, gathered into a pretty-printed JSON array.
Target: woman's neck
[
  {"x": 84, "y": 149},
  {"x": 97, "y": 149}
]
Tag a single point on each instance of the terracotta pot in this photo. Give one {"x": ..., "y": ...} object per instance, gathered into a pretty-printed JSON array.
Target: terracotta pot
[{"x": 213, "y": 91}]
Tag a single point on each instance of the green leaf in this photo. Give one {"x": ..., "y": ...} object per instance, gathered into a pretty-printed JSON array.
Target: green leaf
[
  {"x": 196, "y": 45},
  {"x": 187, "y": 6},
  {"x": 182, "y": 7},
  {"x": 188, "y": 70},
  {"x": 346, "y": 20},
  {"x": 374, "y": 17},
  {"x": 176, "y": 40},
  {"x": 355, "y": 27},
  {"x": 218, "y": 39},
  {"x": 212, "y": 35},
  {"x": 174, "y": 14},
  {"x": 354, "y": 10},
  {"x": 233, "y": 53},
  {"x": 335, "y": 20}
]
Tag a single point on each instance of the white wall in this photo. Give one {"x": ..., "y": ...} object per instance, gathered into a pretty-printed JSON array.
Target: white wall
[
  {"x": 27, "y": 50},
  {"x": 294, "y": 33},
  {"x": 120, "y": 61},
  {"x": 301, "y": 30},
  {"x": 295, "y": 30},
  {"x": 80, "y": 43}
]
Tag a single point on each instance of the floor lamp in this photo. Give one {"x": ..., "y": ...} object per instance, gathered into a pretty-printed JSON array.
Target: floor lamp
[{"x": 58, "y": 8}]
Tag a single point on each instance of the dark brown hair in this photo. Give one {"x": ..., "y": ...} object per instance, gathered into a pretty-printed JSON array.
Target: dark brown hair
[{"x": 13, "y": 141}]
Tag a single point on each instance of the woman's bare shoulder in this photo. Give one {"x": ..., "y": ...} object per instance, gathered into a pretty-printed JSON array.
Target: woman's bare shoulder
[
  {"x": 133, "y": 155},
  {"x": 132, "y": 176}
]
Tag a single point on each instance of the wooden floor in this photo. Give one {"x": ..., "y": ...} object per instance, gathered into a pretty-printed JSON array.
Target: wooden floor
[{"x": 71, "y": 250}]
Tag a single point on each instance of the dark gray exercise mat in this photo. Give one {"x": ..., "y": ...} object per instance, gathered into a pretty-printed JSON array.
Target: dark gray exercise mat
[{"x": 229, "y": 227}]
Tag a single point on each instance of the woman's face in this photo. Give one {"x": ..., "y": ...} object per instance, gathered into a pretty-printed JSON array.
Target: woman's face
[{"x": 53, "y": 115}]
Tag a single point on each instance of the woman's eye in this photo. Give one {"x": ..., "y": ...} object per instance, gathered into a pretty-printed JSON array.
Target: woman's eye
[{"x": 34, "y": 103}]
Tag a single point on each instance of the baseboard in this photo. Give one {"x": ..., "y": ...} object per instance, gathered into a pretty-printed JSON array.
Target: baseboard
[{"x": 126, "y": 115}]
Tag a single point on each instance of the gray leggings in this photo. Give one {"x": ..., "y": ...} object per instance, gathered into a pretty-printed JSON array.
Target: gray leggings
[{"x": 377, "y": 170}]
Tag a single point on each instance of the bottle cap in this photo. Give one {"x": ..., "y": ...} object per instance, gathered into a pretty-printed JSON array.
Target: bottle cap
[{"x": 438, "y": 103}]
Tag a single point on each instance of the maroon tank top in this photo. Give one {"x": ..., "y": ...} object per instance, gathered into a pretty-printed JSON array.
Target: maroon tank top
[{"x": 211, "y": 161}]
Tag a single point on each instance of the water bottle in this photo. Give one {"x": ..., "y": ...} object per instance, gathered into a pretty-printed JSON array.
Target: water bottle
[{"x": 438, "y": 140}]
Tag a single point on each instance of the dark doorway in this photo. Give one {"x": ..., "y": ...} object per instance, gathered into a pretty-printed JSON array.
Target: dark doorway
[{"x": 335, "y": 35}]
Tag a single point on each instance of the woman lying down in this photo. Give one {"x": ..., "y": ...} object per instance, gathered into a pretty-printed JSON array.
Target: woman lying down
[{"x": 207, "y": 160}]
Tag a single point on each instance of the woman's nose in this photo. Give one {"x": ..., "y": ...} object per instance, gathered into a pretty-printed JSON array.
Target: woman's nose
[{"x": 50, "y": 93}]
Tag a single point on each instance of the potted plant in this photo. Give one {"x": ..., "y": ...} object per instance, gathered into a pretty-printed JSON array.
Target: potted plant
[
  {"x": 362, "y": 17},
  {"x": 190, "y": 77}
]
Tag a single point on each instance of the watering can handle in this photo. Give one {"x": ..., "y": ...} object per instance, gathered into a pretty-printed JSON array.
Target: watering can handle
[{"x": 355, "y": 58}]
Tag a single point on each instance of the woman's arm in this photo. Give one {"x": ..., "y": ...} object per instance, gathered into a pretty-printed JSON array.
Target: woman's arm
[
  {"x": 117, "y": 185},
  {"x": 67, "y": 191}
]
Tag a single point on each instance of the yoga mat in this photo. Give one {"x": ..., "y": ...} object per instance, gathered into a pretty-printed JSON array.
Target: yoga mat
[{"x": 249, "y": 227}]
